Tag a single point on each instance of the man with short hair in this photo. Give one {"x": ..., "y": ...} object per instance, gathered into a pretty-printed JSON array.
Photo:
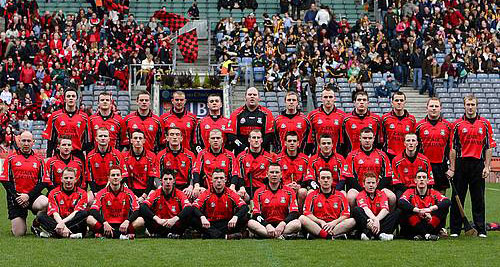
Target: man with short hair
[
  {"x": 327, "y": 119},
  {"x": 68, "y": 121},
  {"x": 22, "y": 180},
  {"x": 359, "y": 118},
  {"x": 221, "y": 212},
  {"x": 181, "y": 118},
  {"x": 327, "y": 158},
  {"x": 368, "y": 159},
  {"x": 291, "y": 119},
  {"x": 423, "y": 210},
  {"x": 372, "y": 213},
  {"x": 55, "y": 166},
  {"x": 99, "y": 163},
  {"x": 275, "y": 213},
  {"x": 433, "y": 133},
  {"x": 115, "y": 212},
  {"x": 247, "y": 118},
  {"x": 326, "y": 211},
  {"x": 294, "y": 166},
  {"x": 166, "y": 210},
  {"x": 143, "y": 119},
  {"x": 179, "y": 159},
  {"x": 141, "y": 165},
  {"x": 211, "y": 158},
  {"x": 253, "y": 163},
  {"x": 67, "y": 211},
  {"x": 395, "y": 125},
  {"x": 213, "y": 120},
  {"x": 471, "y": 145},
  {"x": 104, "y": 117},
  {"x": 407, "y": 164}
]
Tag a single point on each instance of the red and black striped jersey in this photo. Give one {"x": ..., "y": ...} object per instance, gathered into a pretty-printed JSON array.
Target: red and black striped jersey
[
  {"x": 433, "y": 139},
  {"x": 181, "y": 162},
  {"x": 354, "y": 123},
  {"x": 335, "y": 162},
  {"x": 375, "y": 204},
  {"x": 207, "y": 162},
  {"x": 216, "y": 207},
  {"x": 274, "y": 205},
  {"x": 186, "y": 121},
  {"x": 64, "y": 203},
  {"x": 23, "y": 170},
  {"x": 140, "y": 168},
  {"x": 151, "y": 126},
  {"x": 209, "y": 123},
  {"x": 254, "y": 165},
  {"x": 394, "y": 129},
  {"x": 327, "y": 207},
  {"x": 55, "y": 166},
  {"x": 166, "y": 205},
  {"x": 115, "y": 207},
  {"x": 113, "y": 123},
  {"x": 326, "y": 123},
  {"x": 68, "y": 124},
  {"x": 405, "y": 169},
  {"x": 430, "y": 198},
  {"x": 361, "y": 162},
  {"x": 293, "y": 169},
  {"x": 471, "y": 138},
  {"x": 99, "y": 164},
  {"x": 285, "y": 123},
  {"x": 243, "y": 121}
]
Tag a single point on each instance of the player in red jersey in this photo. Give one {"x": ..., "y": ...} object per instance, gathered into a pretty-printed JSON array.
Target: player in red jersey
[
  {"x": 248, "y": 117},
  {"x": 211, "y": 158},
  {"x": 433, "y": 133},
  {"x": 68, "y": 121},
  {"x": 179, "y": 159},
  {"x": 395, "y": 125},
  {"x": 326, "y": 211},
  {"x": 365, "y": 160},
  {"x": 167, "y": 210},
  {"x": 99, "y": 162},
  {"x": 115, "y": 212},
  {"x": 141, "y": 166},
  {"x": 423, "y": 210},
  {"x": 294, "y": 166},
  {"x": 471, "y": 145},
  {"x": 275, "y": 212},
  {"x": 327, "y": 119},
  {"x": 253, "y": 163},
  {"x": 406, "y": 165},
  {"x": 22, "y": 179},
  {"x": 143, "y": 119},
  {"x": 291, "y": 119},
  {"x": 181, "y": 118},
  {"x": 221, "y": 212},
  {"x": 213, "y": 120},
  {"x": 55, "y": 166},
  {"x": 326, "y": 158},
  {"x": 104, "y": 117},
  {"x": 372, "y": 213},
  {"x": 66, "y": 215},
  {"x": 358, "y": 119}
]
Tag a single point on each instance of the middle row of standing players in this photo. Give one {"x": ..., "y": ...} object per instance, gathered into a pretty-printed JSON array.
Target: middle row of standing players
[{"x": 349, "y": 144}]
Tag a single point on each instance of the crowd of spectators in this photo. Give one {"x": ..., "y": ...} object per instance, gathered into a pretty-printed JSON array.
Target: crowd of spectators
[
  {"x": 407, "y": 43},
  {"x": 41, "y": 54}
]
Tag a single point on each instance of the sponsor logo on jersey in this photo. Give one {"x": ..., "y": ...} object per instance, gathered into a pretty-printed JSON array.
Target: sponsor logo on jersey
[
  {"x": 96, "y": 165},
  {"x": 247, "y": 164},
  {"x": 405, "y": 170},
  {"x": 335, "y": 205}
]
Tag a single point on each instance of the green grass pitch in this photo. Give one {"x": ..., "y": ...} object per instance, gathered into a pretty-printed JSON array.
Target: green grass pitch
[{"x": 464, "y": 251}]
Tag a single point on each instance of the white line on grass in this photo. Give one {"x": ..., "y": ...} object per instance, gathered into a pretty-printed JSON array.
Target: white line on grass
[{"x": 494, "y": 189}]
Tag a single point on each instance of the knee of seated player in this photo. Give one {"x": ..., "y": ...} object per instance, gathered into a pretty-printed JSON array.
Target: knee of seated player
[
  {"x": 18, "y": 227},
  {"x": 91, "y": 221},
  {"x": 90, "y": 198},
  {"x": 302, "y": 193},
  {"x": 138, "y": 223},
  {"x": 253, "y": 224},
  {"x": 294, "y": 225},
  {"x": 304, "y": 220},
  {"x": 352, "y": 194},
  {"x": 40, "y": 204}
]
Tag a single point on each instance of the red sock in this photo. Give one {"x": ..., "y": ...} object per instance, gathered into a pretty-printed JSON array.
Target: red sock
[
  {"x": 323, "y": 234},
  {"x": 98, "y": 227},
  {"x": 130, "y": 229}
]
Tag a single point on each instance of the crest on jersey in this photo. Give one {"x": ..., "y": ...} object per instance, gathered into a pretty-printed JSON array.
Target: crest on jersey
[
  {"x": 335, "y": 205},
  {"x": 299, "y": 125},
  {"x": 320, "y": 121},
  {"x": 377, "y": 161},
  {"x": 183, "y": 164},
  {"x": 96, "y": 127},
  {"x": 62, "y": 123},
  {"x": 346, "y": 168},
  {"x": 442, "y": 132},
  {"x": 207, "y": 161},
  {"x": 109, "y": 203},
  {"x": 112, "y": 128},
  {"x": 480, "y": 130},
  {"x": 320, "y": 205},
  {"x": 377, "y": 204},
  {"x": 354, "y": 126},
  {"x": 96, "y": 165},
  {"x": 168, "y": 163},
  {"x": 35, "y": 165},
  {"x": 223, "y": 163},
  {"x": 301, "y": 168},
  {"x": 110, "y": 164},
  {"x": 370, "y": 125},
  {"x": 59, "y": 170},
  {"x": 267, "y": 201},
  {"x": 151, "y": 128},
  {"x": 407, "y": 128},
  {"x": 426, "y": 132},
  {"x": 18, "y": 164},
  {"x": 173, "y": 208},
  {"x": 242, "y": 120},
  {"x": 124, "y": 202},
  {"x": 212, "y": 204},
  {"x": 207, "y": 126},
  {"x": 223, "y": 127},
  {"x": 145, "y": 168},
  {"x": 74, "y": 202},
  {"x": 78, "y": 124},
  {"x": 262, "y": 166},
  {"x": 283, "y": 200},
  {"x": 361, "y": 201},
  {"x": 188, "y": 125},
  {"x": 336, "y": 122},
  {"x": 259, "y": 120},
  {"x": 360, "y": 161},
  {"x": 135, "y": 126},
  {"x": 131, "y": 167},
  {"x": 464, "y": 130},
  {"x": 405, "y": 170},
  {"x": 228, "y": 124},
  {"x": 334, "y": 168},
  {"x": 248, "y": 164},
  {"x": 61, "y": 202},
  {"x": 285, "y": 167},
  {"x": 392, "y": 126},
  {"x": 283, "y": 126}
]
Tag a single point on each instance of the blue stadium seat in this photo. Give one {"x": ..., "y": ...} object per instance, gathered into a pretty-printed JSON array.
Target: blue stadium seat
[
  {"x": 259, "y": 74},
  {"x": 447, "y": 105},
  {"x": 482, "y": 75},
  {"x": 455, "y": 94}
]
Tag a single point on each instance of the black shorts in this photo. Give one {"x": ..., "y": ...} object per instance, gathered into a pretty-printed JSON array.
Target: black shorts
[
  {"x": 439, "y": 172},
  {"x": 138, "y": 192},
  {"x": 15, "y": 210}
]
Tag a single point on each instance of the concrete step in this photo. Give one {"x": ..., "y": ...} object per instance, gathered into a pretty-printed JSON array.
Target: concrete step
[{"x": 416, "y": 104}]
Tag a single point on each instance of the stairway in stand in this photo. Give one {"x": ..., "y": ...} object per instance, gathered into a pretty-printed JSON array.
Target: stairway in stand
[{"x": 416, "y": 104}]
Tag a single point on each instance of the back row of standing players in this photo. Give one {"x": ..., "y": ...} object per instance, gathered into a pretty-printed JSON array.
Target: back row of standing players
[{"x": 394, "y": 147}]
